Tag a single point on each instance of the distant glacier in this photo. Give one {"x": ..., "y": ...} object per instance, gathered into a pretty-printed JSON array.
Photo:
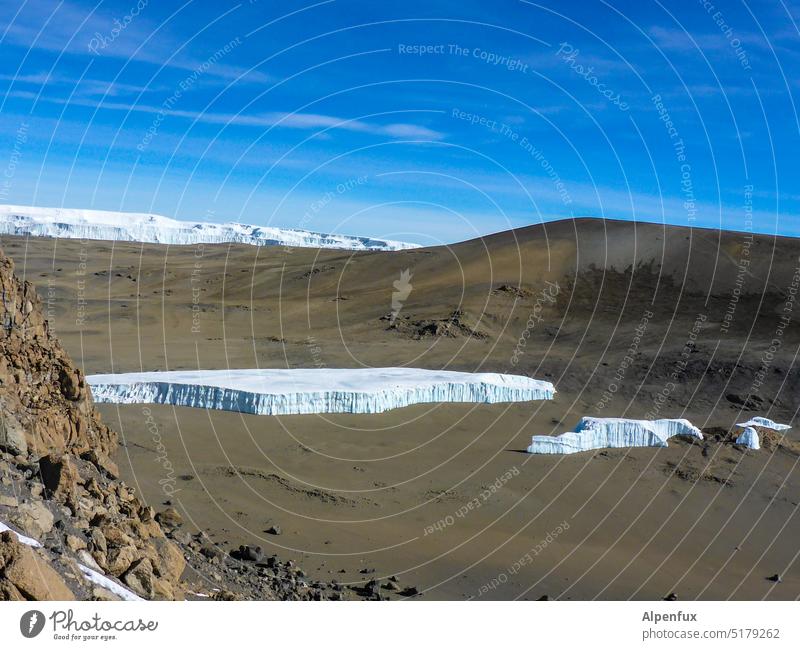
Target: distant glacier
[
  {"x": 154, "y": 229},
  {"x": 314, "y": 390},
  {"x": 604, "y": 433}
]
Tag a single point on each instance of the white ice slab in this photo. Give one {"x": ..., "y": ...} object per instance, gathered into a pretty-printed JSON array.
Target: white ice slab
[
  {"x": 603, "y": 433},
  {"x": 152, "y": 228},
  {"x": 313, "y": 390},
  {"x": 758, "y": 421},
  {"x": 749, "y": 438},
  {"x": 90, "y": 574}
]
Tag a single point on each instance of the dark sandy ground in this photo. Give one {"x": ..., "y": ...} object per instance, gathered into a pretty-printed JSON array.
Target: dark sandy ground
[{"x": 626, "y": 321}]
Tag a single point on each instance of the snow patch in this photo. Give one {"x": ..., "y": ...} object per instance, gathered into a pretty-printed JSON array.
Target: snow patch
[
  {"x": 602, "y": 433},
  {"x": 758, "y": 421},
  {"x": 155, "y": 229},
  {"x": 314, "y": 390},
  {"x": 749, "y": 438},
  {"x": 104, "y": 581}
]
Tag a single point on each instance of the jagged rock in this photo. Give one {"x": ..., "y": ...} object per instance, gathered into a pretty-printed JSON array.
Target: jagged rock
[
  {"x": 86, "y": 558},
  {"x": 119, "y": 559},
  {"x": 33, "y": 518},
  {"x": 71, "y": 383},
  {"x": 12, "y": 435},
  {"x": 172, "y": 562},
  {"x": 59, "y": 476},
  {"x": 37, "y": 372},
  {"x": 24, "y": 573},
  {"x": 98, "y": 540},
  {"x": 102, "y": 461},
  {"x": 140, "y": 578},
  {"x": 170, "y": 518}
]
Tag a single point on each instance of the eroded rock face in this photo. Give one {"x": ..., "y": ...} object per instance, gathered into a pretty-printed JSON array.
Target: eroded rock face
[
  {"x": 58, "y": 452},
  {"x": 45, "y": 405}
]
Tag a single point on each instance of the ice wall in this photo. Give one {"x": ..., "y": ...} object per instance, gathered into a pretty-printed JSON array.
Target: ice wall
[
  {"x": 749, "y": 438},
  {"x": 151, "y": 228},
  {"x": 601, "y": 433},
  {"x": 311, "y": 390}
]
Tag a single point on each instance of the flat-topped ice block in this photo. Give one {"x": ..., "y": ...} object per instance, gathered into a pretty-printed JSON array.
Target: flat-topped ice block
[
  {"x": 603, "y": 433},
  {"x": 312, "y": 390}
]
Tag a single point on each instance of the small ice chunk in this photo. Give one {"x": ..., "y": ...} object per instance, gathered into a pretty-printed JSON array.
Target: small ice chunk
[
  {"x": 749, "y": 438},
  {"x": 758, "y": 421}
]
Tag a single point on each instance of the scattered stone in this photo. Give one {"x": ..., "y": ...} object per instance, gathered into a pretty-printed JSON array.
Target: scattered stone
[
  {"x": 273, "y": 530},
  {"x": 248, "y": 553},
  {"x": 775, "y": 578},
  {"x": 673, "y": 596},
  {"x": 170, "y": 518}
]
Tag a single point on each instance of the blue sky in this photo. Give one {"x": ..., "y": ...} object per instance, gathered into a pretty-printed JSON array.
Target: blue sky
[{"x": 429, "y": 121}]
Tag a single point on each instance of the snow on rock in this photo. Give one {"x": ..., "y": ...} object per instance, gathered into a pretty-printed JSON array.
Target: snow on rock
[
  {"x": 766, "y": 423},
  {"x": 602, "y": 433},
  {"x": 314, "y": 390},
  {"x": 24, "y": 539},
  {"x": 90, "y": 574},
  {"x": 100, "y": 580},
  {"x": 749, "y": 438},
  {"x": 155, "y": 229}
]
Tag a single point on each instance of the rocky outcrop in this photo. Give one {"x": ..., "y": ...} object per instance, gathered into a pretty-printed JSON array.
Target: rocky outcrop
[
  {"x": 55, "y": 455},
  {"x": 45, "y": 405}
]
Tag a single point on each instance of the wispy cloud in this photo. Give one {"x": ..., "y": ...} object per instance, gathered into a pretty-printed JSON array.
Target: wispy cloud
[
  {"x": 300, "y": 121},
  {"x": 70, "y": 29},
  {"x": 86, "y": 87},
  {"x": 677, "y": 40}
]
